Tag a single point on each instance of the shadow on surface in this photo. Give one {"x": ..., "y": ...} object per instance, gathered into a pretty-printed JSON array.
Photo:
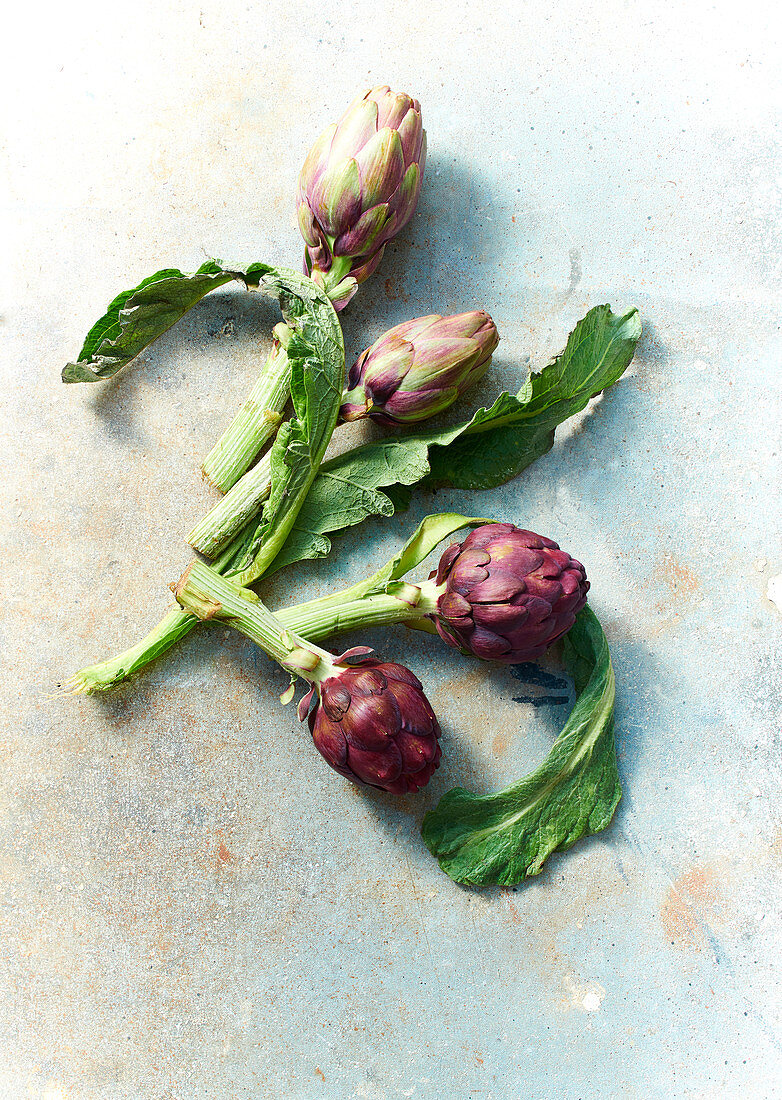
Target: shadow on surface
[{"x": 430, "y": 267}]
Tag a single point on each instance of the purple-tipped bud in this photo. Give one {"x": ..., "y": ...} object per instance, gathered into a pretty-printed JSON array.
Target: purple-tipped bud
[
  {"x": 360, "y": 184},
  {"x": 509, "y": 594},
  {"x": 419, "y": 368},
  {"x": 374, "y": 725}
]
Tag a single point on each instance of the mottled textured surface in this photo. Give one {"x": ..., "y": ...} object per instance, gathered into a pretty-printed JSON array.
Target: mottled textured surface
[{"x": 193, "y": 904}]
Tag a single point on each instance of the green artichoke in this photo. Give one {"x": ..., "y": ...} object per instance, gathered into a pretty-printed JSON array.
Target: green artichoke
[
  {"x": 359, "y": 186},
  {"x": 419, "y": 368}
]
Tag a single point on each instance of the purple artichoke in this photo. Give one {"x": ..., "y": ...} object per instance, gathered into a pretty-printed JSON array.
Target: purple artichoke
[
  {"x": 359, "y": 186},
  {"x": 373, "y": 724},
  {"x": 509, "y": 594},
  {"x": 418, "y": 368}
]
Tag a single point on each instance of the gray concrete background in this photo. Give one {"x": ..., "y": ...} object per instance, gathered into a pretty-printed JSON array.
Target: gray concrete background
[{"x": 193, "y": 906}]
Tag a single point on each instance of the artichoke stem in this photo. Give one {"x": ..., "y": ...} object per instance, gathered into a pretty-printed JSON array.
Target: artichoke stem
[
  {"x": 208, "y": 596},
  {"x": 332, "y": 615},
  {"x": 254, "y": 425},
  {"x": 233, "y": 510}
]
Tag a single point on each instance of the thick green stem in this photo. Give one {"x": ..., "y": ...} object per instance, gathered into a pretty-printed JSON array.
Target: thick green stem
[
  {"x": 210, "y": 596},
  {"x": 340, "y": 268},
  {"x": 172, "y": 628},
  {"x": 175, "y": 625},
  {"x": 207, "y": 595},
  {"x": 233, "y": 511},
  {"x": 350, "y": 609},
  {"x": 318, "y": 620},
  {"x": 258, "y": 419},
  {"x": 255, "y": 423},
  {"x": 239, "y": 505}
]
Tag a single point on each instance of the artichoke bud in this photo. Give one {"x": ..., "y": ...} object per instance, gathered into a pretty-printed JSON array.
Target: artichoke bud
[
  {"x": 359, "y": 186},
  {"x": 374, "y": 725},
  {"x": 419, "y": 368},
  {"x": 508, "y": 594}
]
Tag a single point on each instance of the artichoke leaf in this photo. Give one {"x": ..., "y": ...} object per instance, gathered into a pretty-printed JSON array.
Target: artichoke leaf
[
  {"x": 503, "y": 838},
  {"x": 137, "y": 317}
]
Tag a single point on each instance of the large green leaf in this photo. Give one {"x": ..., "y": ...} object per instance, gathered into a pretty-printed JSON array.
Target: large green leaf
[
  {"x": 501, "y": 441},
  {"x": 505, "y": 837},
  {"x": 137, "y": 317},
  {"x": 346, "y": 491},
  {"x": 492, "y": 447}
]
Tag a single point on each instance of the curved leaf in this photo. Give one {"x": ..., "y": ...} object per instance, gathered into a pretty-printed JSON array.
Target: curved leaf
[
  {"x": 137, "y": 317},
  {"x": 430, "y": 532},
  {"x": 504, "y": 837},
  {"x": 500, "y": 442}
]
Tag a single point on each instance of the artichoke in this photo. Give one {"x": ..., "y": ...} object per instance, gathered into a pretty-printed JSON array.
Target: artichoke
[
  {"x": 358, "y": 187},
  {"x": 374, "y": 725},
  {"x": 509, "y": 594},
  {"x": 418, "y": 368}
]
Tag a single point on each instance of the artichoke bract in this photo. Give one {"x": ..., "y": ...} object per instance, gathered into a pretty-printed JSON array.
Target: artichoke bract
[
  {"x": 374, "y": 725},
  {"x": 358, "y": 187},
  {"x": 419, "y": 368},
  {"x": 509, "y": 594}
]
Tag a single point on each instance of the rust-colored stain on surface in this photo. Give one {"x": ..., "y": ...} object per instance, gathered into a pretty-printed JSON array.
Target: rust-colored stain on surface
[
  {"x": 515, "y": 915},
  {"x": 680, "y": 579},
  {"x": 394, "y": 291},
  {"x": 464, "y": 688},
  {"x": 690, "y": 899},
  {"x": 500, "y": 743},
  {"x": 223, "y": 855},
  {"x": 681, "y": 582}
]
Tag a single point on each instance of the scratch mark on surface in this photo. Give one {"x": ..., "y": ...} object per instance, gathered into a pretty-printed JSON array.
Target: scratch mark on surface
[{"x": 574, "y": 256}]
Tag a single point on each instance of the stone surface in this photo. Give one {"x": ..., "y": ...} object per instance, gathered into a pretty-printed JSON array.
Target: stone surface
[{"x": 193, "y": 906}]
